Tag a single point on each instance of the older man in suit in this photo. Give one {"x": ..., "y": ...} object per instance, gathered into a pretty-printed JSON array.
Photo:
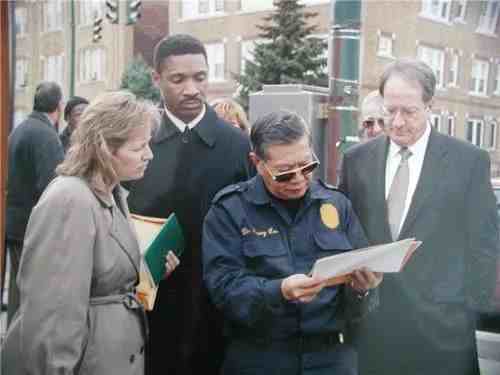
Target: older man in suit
[{"x": 416, "y": 182}]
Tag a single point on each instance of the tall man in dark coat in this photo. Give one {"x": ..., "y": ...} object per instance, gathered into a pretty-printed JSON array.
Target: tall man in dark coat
[
  {"x": 195, "y": 155},
  {"x": 34, "y": 152},
  {"x": 425, "y": 324}
]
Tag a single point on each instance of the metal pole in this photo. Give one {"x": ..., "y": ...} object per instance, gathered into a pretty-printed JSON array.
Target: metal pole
[
  {"x": 344, "y": 82},
  {"x": 72, "y": 49}
]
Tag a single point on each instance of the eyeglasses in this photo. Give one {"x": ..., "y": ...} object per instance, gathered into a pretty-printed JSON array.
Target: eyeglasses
[
  {"x": 289, "y": 175},
  {"x": 405, "y": 112},
  {"x": 370, "y": 123}
]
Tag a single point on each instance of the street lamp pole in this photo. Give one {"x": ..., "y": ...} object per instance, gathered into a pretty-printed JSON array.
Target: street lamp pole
[{"x": 344, "y": 80}]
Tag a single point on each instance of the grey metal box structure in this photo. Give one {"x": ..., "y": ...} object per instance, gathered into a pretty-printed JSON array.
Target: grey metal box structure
[{"x": 310, "y": 102}]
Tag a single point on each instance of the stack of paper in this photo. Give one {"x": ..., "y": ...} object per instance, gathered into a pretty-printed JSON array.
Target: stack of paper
[
  {"x": 157, "y": 236},
  {"x": 384, "y": 258}
]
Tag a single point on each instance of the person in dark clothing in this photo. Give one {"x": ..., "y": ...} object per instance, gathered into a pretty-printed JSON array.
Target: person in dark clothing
[
  {"x": 414, "y": 182},
  {"x": 196, "y": 155},
  {"x": 260, "y": 241},
  {"x": 72, "y": 112},
  {"x": 34, "y": 151}
]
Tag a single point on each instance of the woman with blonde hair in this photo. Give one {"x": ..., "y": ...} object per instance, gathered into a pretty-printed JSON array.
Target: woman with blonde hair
[
  {"x": 80, "y": 261},
  {"x": 229, "y": 110}
]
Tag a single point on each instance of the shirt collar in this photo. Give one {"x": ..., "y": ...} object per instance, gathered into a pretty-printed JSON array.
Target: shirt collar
[
  {"x": 418, "y": 148},
  {"x": 181, "y": 125}
]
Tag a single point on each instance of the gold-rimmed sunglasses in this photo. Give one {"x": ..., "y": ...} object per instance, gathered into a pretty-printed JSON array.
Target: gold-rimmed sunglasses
[{"x": 289, "y": 175}]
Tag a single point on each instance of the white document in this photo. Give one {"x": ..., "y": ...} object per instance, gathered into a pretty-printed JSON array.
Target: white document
[{"x": 385, "y": 258}]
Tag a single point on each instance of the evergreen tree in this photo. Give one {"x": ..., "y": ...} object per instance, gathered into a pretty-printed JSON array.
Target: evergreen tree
[
  {"x": 137, "y": 79},
  {"x": 287, "y": 53}
]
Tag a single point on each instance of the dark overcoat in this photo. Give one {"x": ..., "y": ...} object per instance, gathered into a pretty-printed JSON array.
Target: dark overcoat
[
  {"x": 186, "y": 172},
  {"x": 34, "y": 153},
  {"x": 425, "y": 324}
]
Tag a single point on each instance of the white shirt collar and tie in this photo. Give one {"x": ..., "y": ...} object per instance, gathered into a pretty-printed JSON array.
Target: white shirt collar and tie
[
  {"x": 415, "y": 163},
  {"x": 181, "y": 125}
]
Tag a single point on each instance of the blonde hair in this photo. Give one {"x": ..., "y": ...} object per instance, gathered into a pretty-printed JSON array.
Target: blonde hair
[
  {"x": 230, "y": 110},
  {"x": 104, "y": 127}
]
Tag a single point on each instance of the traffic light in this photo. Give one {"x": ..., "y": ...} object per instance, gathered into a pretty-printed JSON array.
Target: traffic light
[
  {"x": 96, "y": 30},
  {"x": 133, "y": 11},
  {"x": 112, "y": 12}
]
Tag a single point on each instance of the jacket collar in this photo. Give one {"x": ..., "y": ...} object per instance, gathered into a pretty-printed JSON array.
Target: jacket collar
[
  {"x": 107, "y": 201},
  {"x": 43, "y": 118},
  {"x": 206, "y": 128},
  {"x": 257, "y": 192}
]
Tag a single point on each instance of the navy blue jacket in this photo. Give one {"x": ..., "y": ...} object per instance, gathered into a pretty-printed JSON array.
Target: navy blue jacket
[{"x": 250, "y": 244}]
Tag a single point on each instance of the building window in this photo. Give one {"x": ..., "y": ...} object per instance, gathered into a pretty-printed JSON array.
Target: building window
[
  {"x": 92, "y": 65},
  {"x": 450, "y": 126},
  {"x": 474, "y": 131},
  {"x": 216, "y": 60},
  {"x": 491, "y": 137},
  {"x": 53, "y": 68},
  {"x": 488, "y": 20},
  {"x": 21, "y": 21},
  {"x": 385, "y": 45},
  {"x": 453, "y": 70},
  {"x": 89, "y": 11},
  {"x": 436, "y": 9},
  {"x": 254, "y": 6},
  {"x": 436, "y": 121},
  {"x": 459, "y": 13},
  {"x": 496, "y": 85},
  {"x": 21, "y": 73},
  {"x": 196, "y": 8},
  {"x": 479, "y": 77},
  {"x": 52, "y": 15},
  {"x": 433, "y": 57}
]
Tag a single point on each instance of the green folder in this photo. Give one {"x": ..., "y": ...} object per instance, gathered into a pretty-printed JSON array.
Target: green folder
[{"x": 169, "y": 238}]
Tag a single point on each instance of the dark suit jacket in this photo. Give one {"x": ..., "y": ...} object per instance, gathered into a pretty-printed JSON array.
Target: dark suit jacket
[
  {"x": 425, "y": 324},
  {"x": 183, "y": 177},
  {"x": 34, "y": 153}
]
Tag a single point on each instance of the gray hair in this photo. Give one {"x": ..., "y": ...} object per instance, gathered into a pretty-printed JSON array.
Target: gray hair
[
  {"x": 414, "y": 71},
  {"x": 277, "y": 128},
  {"x": 48, "y": 96}
]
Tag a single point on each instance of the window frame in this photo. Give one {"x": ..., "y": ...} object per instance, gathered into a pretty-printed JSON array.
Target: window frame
[
  {"x": 485, "y": 27},
  {"x": 474, "y": 122},
  {"x": 212, "y": 49},
  {"x": 382, "y": 52},
  {"x": 213, "y": 9},
  {"x": 21, "y": 13},
  {"x": 475, "y": 90},
  {"x": 427, "y": 11},
  {"x": 439, "y": 77}
]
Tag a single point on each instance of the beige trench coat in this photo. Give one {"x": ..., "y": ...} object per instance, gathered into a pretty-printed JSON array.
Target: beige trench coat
[{"x": 79, "y": 261}]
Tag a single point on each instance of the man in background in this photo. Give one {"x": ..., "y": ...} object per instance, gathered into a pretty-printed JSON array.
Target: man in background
[
  {"x": 195, "y": 155},
  {"x": 72, "y": 112},
  {"x": 34, "y": 151},
  {"x": 372, "y": 121}
]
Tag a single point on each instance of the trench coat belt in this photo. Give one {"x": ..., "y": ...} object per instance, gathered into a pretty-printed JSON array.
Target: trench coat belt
[{"x": 129, "y": 300}]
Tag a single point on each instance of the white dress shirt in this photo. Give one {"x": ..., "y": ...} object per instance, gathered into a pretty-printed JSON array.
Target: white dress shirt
[
  {"x": 181, "y": 124},
  {"x": 415, "y": 163}
]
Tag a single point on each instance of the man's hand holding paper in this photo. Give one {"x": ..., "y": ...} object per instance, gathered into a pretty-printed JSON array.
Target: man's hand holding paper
[{"x": 363, "y": 267}]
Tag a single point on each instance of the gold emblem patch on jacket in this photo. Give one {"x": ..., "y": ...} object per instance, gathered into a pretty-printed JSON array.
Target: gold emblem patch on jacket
[{"x": 329, "y": 215}]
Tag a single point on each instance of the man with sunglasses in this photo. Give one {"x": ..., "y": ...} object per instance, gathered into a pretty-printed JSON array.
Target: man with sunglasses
[
  {"x": 416, "y": 182},
  {"x": 372, "y": 121},
  {"x": 260, "y": 241}
]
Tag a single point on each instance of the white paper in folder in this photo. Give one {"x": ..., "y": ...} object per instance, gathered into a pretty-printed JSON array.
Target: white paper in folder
[{"x": 385, "y": 258}]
